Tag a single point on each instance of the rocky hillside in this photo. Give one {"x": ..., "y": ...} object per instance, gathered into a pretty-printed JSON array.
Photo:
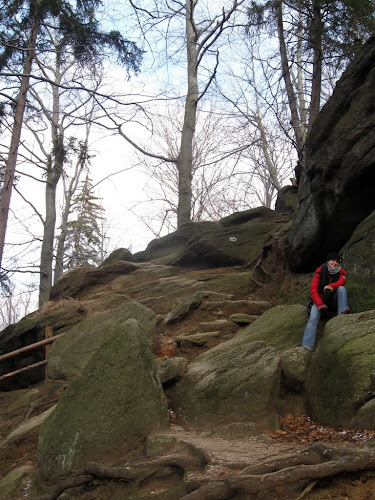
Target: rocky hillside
[{"x": 173, "y": 368}]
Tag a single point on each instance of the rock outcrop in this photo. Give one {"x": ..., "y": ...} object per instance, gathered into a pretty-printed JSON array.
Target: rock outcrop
[{"x": 336, "y": 188}]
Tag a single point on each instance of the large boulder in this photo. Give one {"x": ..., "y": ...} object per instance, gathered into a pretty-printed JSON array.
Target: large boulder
[
  {"x": 336, "y": 188},
  {"x": 359, "y": 262},
  {"x": 341, "y": 385},
  {"x": 230, "y": 383},
  {"x": 71, "y": 352},
  {"x": 239, "y": 380},
  {"x": 108, "y": 412}
]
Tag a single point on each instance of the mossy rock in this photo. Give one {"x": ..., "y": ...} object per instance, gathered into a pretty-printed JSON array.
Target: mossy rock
[
  {"x": 118, "y": 254},
  {"x": 231, "y": 245},
  {"x": 230, "y": 383},
  {"x": 70, "y": 353},
  {"x": 359, "y": 262},
  {"x": 108, "y": 412},
  {"x": 342, "y": 379},
  {"x": 281, "y": 327},
  {"x": 286, "y": 199}
]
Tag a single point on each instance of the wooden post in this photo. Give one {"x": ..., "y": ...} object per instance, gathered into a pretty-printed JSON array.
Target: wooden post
[{"x": 48, "y": 335}]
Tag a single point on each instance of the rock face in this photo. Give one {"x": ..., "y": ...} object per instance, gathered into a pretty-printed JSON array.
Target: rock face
[
  {"x": 358, "y": 257},
  {"x": 336, "y": 188},
  {"x": 109, "y": 410}
]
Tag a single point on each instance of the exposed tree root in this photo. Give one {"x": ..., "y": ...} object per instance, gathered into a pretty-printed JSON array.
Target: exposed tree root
[
  {"x": 317, "y": 462},
  {"x": 186, "y": 459}
]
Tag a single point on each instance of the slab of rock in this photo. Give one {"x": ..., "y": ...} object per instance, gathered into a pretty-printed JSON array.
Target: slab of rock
[
  {"x": 167, "y": 248},
  {"x": 184, "y": 308},
  {"x": 221, "y": 325},
  {"x": 228, "y": 307},
  {"x": 171, "y": 368},
  {"x": 108, "y": 412},
  {"x": 78, "y": 282},
  {"x": 238, "y": 240},
  {"x": 243, "y": 319},
  {"x": 208, "y": 339}
]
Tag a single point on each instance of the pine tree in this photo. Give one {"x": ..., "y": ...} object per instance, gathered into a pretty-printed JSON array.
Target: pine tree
[
  {"x": 23, "y": 26},
  {"x": 84, "y": 238}
]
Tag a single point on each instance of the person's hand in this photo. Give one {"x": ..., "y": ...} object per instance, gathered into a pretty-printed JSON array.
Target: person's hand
[
  {"x": 328, "y": 287},
  {"x": 323, "y": 310}
]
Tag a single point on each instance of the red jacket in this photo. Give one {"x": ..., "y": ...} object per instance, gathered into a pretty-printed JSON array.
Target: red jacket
[{"x": 314, "y": 290}]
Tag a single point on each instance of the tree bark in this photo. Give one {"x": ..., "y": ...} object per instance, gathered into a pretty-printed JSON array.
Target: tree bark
[
  {"x": 54, "y": 170},
  {"x": 46, "y": 255},
  {"x": 185, "y": 157},
  {"x": 292, "y": 98},
  {"x": 316, "y": 86},
  {"x": 16, "y": 134}
]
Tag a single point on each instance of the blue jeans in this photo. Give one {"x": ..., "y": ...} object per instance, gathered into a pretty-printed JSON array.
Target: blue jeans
[{"x": 340, "y": 300}]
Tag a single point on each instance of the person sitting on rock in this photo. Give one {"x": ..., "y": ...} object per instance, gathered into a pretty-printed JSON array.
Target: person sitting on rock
[{"x": 328, "y": 293}]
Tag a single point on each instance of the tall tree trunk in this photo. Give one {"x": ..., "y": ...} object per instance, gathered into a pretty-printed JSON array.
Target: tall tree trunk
[
  {"x": 54, "y": 170},
  {"x": 292, "y": 98},
  {"x": 46, "y": 256},
  {"x": 16, "y": 134},
  {"x": 185, "y": 157},
  {"x": 316, "y": 86}
]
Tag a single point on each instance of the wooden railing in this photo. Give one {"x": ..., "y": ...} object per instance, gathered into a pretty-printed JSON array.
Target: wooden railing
[{"x": 46, "y": 342}]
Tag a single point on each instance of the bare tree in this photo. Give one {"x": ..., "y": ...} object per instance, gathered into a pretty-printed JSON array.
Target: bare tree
[
  {"x": 201, "y": 32},
  {"x": 215, "y": 174}
]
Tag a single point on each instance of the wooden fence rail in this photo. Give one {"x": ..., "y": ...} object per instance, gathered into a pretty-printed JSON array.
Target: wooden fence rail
[{"x": 46, "y": 342}]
